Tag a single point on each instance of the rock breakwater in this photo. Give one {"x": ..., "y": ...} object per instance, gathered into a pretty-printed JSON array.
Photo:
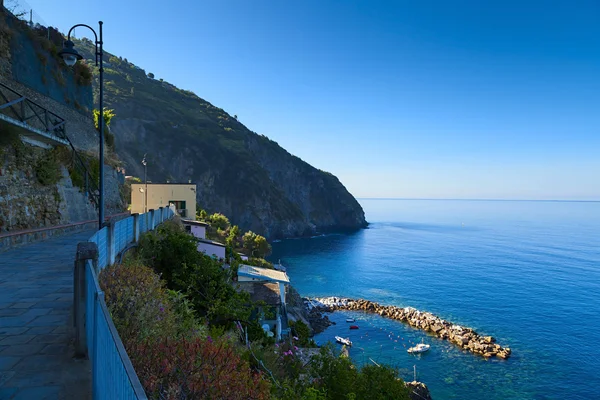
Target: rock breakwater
[{"x": 463, "y": 337}]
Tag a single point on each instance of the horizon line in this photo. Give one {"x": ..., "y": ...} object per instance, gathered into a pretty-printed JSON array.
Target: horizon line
[{"x": 474, "y": 199}]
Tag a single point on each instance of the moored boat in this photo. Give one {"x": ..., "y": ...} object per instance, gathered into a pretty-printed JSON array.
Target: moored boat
[
  {"x": 342, "y": 340},
  {"x": 420, "y": 348},
  {"x": 350, "y": 320},
  {"x": 353, "y": 326}
]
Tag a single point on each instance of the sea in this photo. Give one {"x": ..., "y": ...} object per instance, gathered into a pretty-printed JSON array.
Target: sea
[{"x": 524, "y": 272}]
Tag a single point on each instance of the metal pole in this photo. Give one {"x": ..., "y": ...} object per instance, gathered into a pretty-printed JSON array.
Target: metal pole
[
  {"x": 146, "y": 189},
  {"x": 101, "y": 121}
]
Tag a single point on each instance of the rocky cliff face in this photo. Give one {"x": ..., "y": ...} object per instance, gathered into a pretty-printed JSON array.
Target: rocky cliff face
[{"x": 246, "y": 176}]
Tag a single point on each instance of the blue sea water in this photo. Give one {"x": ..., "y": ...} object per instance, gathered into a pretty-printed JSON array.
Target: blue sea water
[{"x": 525, "y": 272}]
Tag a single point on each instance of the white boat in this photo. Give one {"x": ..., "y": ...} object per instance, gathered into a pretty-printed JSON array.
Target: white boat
[
  {"x": 350, "y": 320},
  {"x": 342, "y": 340},
  {"x": 420, "y": 348}
]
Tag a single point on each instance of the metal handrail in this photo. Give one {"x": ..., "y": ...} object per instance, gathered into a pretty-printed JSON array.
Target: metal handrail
[{"x": 52, "y": 122}]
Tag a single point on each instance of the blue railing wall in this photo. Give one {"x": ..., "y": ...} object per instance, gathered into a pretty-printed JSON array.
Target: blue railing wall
[{"x": 113, "y": 376}]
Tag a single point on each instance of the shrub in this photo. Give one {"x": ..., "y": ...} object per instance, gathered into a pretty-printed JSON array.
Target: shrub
[
  {"x": 256, "y": 245},
  {"x": 219, "y": 221},
  {"x": 173, "y": 253},
  {"x": 302, "y": 332},
  {"x": 380, "y": 383},
  {"x": 195, "y": 369},
  {"x": 138, "y": 301},
  {"x": 47, "y": 169}
]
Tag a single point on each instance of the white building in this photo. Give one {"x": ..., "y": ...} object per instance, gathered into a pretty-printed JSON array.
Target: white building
[
  {"x": 248, "y": 274},
  {"x": 208, "y": 247}
]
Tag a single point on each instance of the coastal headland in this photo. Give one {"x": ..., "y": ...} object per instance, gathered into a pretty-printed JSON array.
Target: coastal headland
[{"x": 463, "y": 337}]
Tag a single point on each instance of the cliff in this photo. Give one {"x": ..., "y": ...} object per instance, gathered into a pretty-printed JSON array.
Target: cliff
[{"x": 244, "y": 175}]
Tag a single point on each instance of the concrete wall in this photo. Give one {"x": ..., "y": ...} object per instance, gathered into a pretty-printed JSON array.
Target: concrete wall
[
  {"x": 159, "y": 195},
  {"x": 211, "y": 249}
]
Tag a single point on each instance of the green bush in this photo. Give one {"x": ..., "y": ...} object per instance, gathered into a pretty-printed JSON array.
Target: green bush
[
  {"x": 173, "y": 253},
  {"x": 302, "y": 332},
  {"x": 47, "y": 169},
  {"x": 138, "y": 301}
]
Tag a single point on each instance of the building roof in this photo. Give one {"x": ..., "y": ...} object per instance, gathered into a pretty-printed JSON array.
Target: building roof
[
  {"x": 263, "y": 274},
  {"x": 192, "y": 222},
  {"x": 260, "y": 291},
  {"x": 207, "y": 241}
]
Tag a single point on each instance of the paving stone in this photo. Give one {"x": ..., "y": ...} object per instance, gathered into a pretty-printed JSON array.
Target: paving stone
[
  {"x": 6, "y": 376},
  {"x": 53, "y": 338},
  {"x": 41, "y": 330},
  {"x": 38, "y": 393},
  {"x": 7, "y": 393},
  {"x": 22, "y": 305},
  {"x": 18, "y": 339},
  {"x": 7, "y": 362},
  {"x": 12, "y": 330},
  {"x": 49, "y": 320},
  {"x": 56, "y": 349},
  {"x": 22, "y": 349},
  {"x": 10, "y": 312}
]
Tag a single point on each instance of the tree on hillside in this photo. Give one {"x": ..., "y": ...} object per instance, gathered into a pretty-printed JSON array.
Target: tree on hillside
[
  {"x": 232, "y": 238},
  {"x": 248, "y": 241},
  {"x": 219, "y": 221},
  {"x": 262, "y": 248},
  {"x": 150, "y": 75},
  {"x": 201, "y": 215},
  {"x": 256, "y": 245}
]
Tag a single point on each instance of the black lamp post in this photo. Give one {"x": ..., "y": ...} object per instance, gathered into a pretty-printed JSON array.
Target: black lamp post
[
  {"x": 71, "y": 56},
  {"x": 146, "y": 183}
]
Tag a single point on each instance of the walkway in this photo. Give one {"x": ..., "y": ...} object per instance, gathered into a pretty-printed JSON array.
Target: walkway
[{"x": 36, "y": 329}]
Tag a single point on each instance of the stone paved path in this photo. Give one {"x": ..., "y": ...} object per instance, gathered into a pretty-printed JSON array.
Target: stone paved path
[{"x": 36, "y": 333}]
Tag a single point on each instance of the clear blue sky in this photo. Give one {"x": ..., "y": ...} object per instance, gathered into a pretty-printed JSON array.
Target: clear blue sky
[{"x": 438, "y": 99}]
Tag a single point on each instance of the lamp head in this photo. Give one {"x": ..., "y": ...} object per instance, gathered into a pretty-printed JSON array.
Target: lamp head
[{"x": 69, "y": 54}]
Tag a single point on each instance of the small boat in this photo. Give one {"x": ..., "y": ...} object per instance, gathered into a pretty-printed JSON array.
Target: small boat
[
  {"x": 350, "y": 320},
  {"x": 420, "y": 348},
  {"x": 353, "y": 326},
  {"x": 342, "y": 340}
]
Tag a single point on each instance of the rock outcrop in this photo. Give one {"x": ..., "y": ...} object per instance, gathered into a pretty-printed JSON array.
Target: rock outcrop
[
  {"x": 463, "y": 337},
  {"x": 418, "y": 391}
]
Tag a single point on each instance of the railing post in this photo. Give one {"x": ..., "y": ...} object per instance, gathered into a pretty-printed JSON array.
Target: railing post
[
  {"x": 151, "y": 216},
  {"x": 112, "y": 246},
  {"x": 161, "y": 217},
  {"x": 85, "y": 251},
  {"x": 136, "y": 227}
]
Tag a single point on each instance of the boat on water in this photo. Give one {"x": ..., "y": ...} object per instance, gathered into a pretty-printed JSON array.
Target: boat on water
[
  {"x": 342, "y": 340},
  {"x": 420, "y": 348},
  {"x": 350, "y": 320},
  {"x": 353, "y": 326}
]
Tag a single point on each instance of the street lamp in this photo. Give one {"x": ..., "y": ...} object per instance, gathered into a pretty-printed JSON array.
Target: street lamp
[
  {"x": 70, "y": 57},
  {"x": 144, "y": 163}
]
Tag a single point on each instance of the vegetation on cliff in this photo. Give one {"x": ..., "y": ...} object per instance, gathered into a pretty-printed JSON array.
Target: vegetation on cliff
[
  {"x": 184, "y": 327},
  {"x": 249, "y": 177}
]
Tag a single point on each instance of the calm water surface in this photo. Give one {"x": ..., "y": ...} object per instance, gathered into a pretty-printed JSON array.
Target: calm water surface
[{"x": 527, "y": 273}]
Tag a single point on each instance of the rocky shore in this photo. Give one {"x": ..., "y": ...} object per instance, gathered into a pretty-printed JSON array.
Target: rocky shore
[{"x": 465, "y": 338}]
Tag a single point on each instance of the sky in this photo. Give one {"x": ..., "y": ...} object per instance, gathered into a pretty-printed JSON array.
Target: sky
[{"x": 408, "y": 99}]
